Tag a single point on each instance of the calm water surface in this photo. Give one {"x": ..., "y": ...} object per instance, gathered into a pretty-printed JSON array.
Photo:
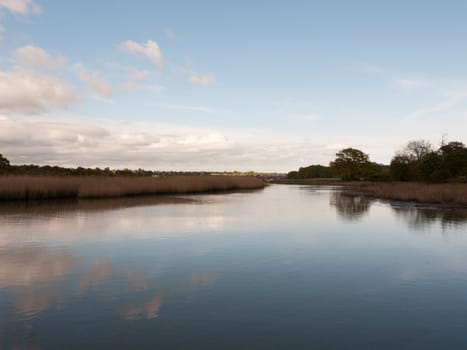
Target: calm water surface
[{"x": 288, "y": 267}]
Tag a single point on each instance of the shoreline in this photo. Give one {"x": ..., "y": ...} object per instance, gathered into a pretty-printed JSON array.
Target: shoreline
[
  {"x": 447, "y": 195},
  {"x": 37, "y": 188},
  {"x": 452, "y": 195}
]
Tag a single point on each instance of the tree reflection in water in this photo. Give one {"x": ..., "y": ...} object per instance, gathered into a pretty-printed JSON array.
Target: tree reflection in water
[
  {"x": 421, "y": 219},
  {"x": 350, "y": 207},
  {"x": 354, "y": 207}
]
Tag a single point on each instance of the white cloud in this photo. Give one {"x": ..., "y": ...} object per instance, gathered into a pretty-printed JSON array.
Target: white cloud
[
  {"x": 36, "y": 57},
  {"x": 31, "y": 92},
  {"x": 139, "y": 74},
  {"x": 134, "y": 77},
  {"x": 2, "y": 30},
  {"x": 133, "y": 73},
  {"x": 22, "y": 7},
  {"x": 114, "y": 143},
  {"x": 150, "y": 50},
  {"x": 203, "y": 109},
  {"x": 96, "y": 83},
  {"x": 203, "y": 79},
  {"x": 412, "y": 83},
  {"x": 451, "y": 106},
  {"x": 132, "y": 85},
  {"x": 154, "y": 145},
  {"x": 306, "y": 117}
]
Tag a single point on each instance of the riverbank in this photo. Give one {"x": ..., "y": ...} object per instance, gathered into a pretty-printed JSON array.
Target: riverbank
[
  {"x": 23, "y": 188},
  {"x": 446, "y": 194},
  {"x": 313, "y": 181}
]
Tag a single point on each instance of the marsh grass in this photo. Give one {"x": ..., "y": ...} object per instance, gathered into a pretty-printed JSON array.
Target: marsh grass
[
  {"x": 40, "y": 188},
  {"x": 444, "y": 194}
]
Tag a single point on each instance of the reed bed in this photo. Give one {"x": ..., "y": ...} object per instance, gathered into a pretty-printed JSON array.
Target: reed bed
[
  {"x": 38, "y": 188},
  {"x": 444, "y": 194}
]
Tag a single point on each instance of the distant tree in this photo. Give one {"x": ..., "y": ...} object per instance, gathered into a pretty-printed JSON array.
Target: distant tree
[
  {"x": 454, "y": 156},
  {"x": 400, "y": 167},
  {"x": 417, "y": 149},
  {"x": 4, "y": 165},
  {"x": 405, "y": 165},
  {"x": 351, "y": 164},
  {"x": 375, "y": 172},
  {"x": 292, "y": 174},
  {"x": 315, "y": 171},
  {"x": 431, "y": 168},
  {"x": 418, "y": 161}
]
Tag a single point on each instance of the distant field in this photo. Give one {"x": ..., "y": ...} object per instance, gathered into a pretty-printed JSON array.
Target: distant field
[{"x": 45, "y": 187}]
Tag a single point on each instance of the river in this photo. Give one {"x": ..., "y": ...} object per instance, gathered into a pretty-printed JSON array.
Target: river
[{"x": 287, "y": 267}]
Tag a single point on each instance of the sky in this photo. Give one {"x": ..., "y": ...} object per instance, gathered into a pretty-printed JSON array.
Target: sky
[{"x": 224, "y": 85}]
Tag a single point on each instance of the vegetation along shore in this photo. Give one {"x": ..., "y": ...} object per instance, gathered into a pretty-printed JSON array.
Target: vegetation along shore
[
  {"x": 445, "y": 194},
  {"x": 418, "y": 172},
  {"x": 48, "y": 187},
  {"x": 33, "y": 182}
]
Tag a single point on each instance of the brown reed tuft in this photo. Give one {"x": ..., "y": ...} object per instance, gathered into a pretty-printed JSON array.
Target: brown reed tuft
[{"x": 37, "y": 187}]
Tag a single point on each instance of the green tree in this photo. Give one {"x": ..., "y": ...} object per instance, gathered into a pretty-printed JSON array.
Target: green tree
[
  {"x": 405, "y": 165},
  {"x": 4, "y": 165},
  {"x": 292, "y": 174},
  {"x": 314, "y": 171},
  {"x": 400, "y": 167},
  {"x": 431, "y": 168},
  {"x": 351, "y": 164},
  {"x": 454, "y": 155}
]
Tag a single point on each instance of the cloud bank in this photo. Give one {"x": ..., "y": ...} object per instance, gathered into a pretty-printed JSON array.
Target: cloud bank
[
  {"x": 36, "y": 57},
  {"x": 149, "y": 145},
  {"x": 23, "y": 91}
]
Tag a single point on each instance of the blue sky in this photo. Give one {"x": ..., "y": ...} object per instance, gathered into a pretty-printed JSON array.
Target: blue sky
[{"x": 246, "y": 85}]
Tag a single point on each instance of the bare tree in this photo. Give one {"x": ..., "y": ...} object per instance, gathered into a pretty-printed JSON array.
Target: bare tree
[{"x": 417, "y": 149}]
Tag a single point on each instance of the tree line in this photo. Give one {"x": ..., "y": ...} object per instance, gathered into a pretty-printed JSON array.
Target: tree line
[
  {"x": 47, "y": 170},
  {"x": 419, "y": 160}
]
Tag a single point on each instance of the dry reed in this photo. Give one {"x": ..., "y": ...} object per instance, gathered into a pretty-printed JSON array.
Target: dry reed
[
  {"x": 444, "y": 194},
  {"x": 36, "y": 187}
]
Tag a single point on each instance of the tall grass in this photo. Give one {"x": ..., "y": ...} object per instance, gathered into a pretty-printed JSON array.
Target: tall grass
[
  {"x": 445, "y": 194},
  {"x": 36, "y": 187}
]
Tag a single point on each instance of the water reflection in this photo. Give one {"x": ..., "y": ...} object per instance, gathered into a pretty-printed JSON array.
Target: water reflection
[
  {"x": 144, "y": 310},
  {"x": 38, "y": 279},
  {"x": 36, "y": 209},
  {"x": 421, "y": 219},
  {"x": 348, "y": 206},
  {"x": 30, "y": 301},
  {"x": 98, "y": 273},
  {"x": 203, "y": 280},
  {"x": 63, "y": 222},
  {"x": 354, "y": 207},
  {"x": 33, "y": 265},
  {"x": 223, "y": 272},
  {"x": 26, "y": 347}
]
